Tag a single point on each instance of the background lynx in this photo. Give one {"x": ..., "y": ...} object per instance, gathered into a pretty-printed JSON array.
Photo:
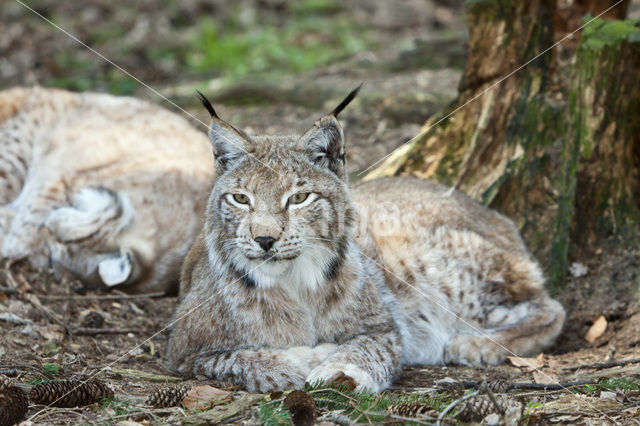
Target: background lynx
[
  {"x": 295, "y": 279},
  {"x": 108, "y": 189}
]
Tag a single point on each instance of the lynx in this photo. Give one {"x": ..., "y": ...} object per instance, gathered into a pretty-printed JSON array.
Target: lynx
[
  {"x": 105, "y": 189},
  {"x": 296, "y": 278}
]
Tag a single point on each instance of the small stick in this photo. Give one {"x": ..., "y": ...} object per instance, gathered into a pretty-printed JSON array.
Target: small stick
[
  {"x": 104, "y": 296},
  {"x": 362, "y": 412},
  {"x": 49, "y": 313},
  {"x": 332, "y": 390},
  {"x": 493, "y": 399},
  {"x": 337, "y": 418},
  {"x": 231, "y": 420},
  {"x": 524, "y": 386},
  {"x": 9, "y": 275},
  {"x": 600, "y": 365},
  {"x": 370, "y": 408},
  {"x": 8, "y": 291},
  {"x": 406, "y": 419},
  {"x": 453, "y": 404},
  {"x": 26, "y": 367},
  {"x": 9, "y": 372},
  {"x": 85, "y": 331}
]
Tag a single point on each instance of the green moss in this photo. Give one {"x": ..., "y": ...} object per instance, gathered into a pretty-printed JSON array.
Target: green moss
[
  {"x": 566, "y": 187},
  {"x": 603, "y": 33},
  {"x": 604, "y": 45},
  {"x": 449, "y": 166},
  {"x": 304, "y": 43},
  {"x": 51, "y": 369},
  {"x": 625, "y": 384}
]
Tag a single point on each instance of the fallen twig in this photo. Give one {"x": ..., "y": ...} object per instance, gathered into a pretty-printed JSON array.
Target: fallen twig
[
  {"x": 36, "y": 370},
  {"x": 454, "y": 404},
  {"x": 522, "y": 386},
  {"x": 336, "y": 418},
  {"x": 8, "y": 291},
  {"x": 9, "y": 372},
  {"x": 375, "y": 402},
  {"x": 362, "y": 412},
  {"x": 9, "y": 275},
  {"x": 422, "y": 420},
  {"x": 151, "y": 377},
  {"x": 104, "y": 296},
  {"x": 493, "y": 399},
  {"x": 50, "y": 411},
  {"x": 607, "y": 364},
  {"x": 49, "y": 313},
  {"x": 86, "y": 331}
]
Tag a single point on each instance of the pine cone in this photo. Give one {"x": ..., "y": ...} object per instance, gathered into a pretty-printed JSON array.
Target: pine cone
[
  {"x": 70, "y": 393},
  {"x": 5, "y": 381},
  {"x": 169, "y": 396},
  {"x": 93, "y": 320},
  {"x": 499, "y": 386},
  {"x": 413, "y": 409},
  {"x": 13, "y": 405},
  {"x": 476, "y": 409},
  {"x": 302, "y": 407}
]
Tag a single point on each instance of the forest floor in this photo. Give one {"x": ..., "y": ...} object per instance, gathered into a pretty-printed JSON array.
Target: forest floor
[{"x": 410, "y": 58}]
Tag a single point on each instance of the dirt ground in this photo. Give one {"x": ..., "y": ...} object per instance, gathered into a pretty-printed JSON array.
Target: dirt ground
[{"x": 49, "y": 331}]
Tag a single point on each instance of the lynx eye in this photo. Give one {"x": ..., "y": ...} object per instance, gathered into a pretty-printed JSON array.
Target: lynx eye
[
  {"x": 299, "y": 198},
  {"x": 241, "y": 198}
]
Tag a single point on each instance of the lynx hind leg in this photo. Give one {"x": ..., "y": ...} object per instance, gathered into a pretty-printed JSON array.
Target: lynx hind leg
[
  {"x": 523, "y": 329},
  {"x": 81, "y": 237}
]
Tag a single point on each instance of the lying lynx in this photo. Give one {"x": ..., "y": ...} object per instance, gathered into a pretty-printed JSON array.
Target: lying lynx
[
  {"x": 110, "y": 190},
  {"x": 297, "y": 279}
]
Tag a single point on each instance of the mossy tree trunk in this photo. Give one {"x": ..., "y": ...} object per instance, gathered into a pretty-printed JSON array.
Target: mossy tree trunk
[{"x": 556, "y": 145}]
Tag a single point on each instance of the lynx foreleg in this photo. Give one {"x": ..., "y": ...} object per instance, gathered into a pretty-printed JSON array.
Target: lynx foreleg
[
  {"x": 262, "y": 370},
  {"x": 366, "y": 362}
]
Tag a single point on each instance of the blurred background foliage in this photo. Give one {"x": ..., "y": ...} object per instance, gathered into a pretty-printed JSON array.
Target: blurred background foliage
[{"x": 164, "y": 40}]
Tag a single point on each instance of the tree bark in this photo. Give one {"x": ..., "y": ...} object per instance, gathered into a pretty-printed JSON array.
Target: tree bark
[{"x": 555, "y": 146}]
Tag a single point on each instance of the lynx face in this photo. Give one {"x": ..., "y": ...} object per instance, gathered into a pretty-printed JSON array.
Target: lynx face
[{"x": 280, "y": 209}]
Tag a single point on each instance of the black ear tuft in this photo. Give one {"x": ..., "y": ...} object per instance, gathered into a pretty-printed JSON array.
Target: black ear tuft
[
  {"x": 207, "y": 104},
  {"x": 346, "y": 101}
]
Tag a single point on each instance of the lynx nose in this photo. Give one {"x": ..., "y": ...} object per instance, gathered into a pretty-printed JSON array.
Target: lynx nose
[{"x": 265, "y": 242}]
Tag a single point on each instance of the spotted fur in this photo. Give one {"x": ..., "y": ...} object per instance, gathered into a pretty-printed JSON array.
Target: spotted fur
[
  {"x": 109, "y": 190},
  {"x": 352, "y": 283}
]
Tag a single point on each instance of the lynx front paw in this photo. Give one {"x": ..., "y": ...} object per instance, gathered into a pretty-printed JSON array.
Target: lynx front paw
[
  {"x": 349, "y": 375},
  {"x": 467, "y": 349}
]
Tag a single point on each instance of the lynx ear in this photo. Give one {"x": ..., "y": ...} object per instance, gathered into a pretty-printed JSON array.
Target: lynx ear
[
  {"x": 325, "y": 140},
  {"x": 228, "y": 142}
]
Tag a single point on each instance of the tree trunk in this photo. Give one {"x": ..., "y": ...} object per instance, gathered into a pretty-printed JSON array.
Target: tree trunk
[{"x": 555, "y": 146}]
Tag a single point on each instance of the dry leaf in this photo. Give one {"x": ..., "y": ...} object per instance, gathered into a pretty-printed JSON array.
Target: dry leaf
[
  {"x": 597, "y": 329},
  {"x": 609, "y": 395},
  {"x": 545, "y": 377},
  {"x": 529, "y": 364},
  {"x": 205, "y": 397},
  {"x": 52, "y": 332}
]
